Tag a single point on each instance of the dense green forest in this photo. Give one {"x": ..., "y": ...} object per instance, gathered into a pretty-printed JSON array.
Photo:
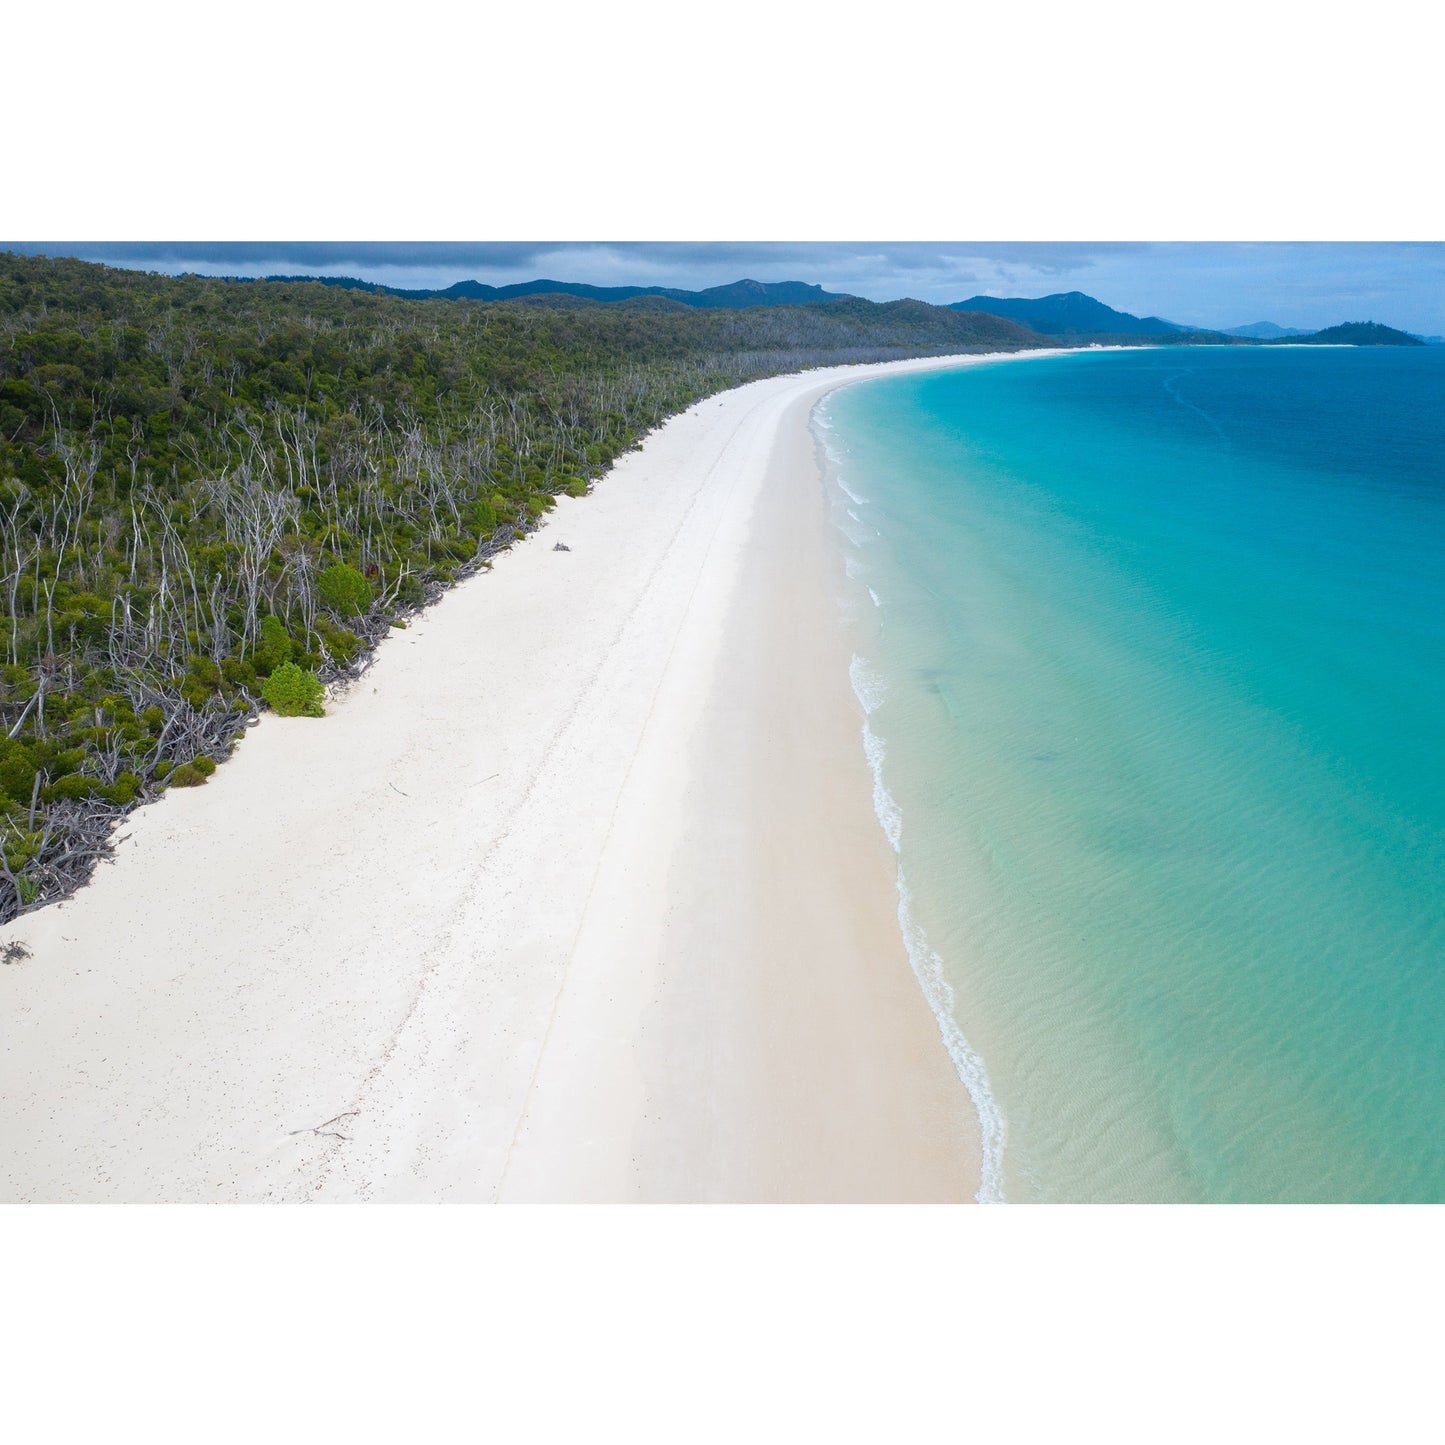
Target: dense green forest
[
  {"x": 220, "y": 495},
  {"x": 1351, "y": 333}
]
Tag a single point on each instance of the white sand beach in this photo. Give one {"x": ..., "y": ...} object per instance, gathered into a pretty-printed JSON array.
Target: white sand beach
[{"x": 577, "y": 895}]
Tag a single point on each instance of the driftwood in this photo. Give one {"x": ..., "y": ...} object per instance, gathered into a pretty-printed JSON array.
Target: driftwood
[{"x": 322, "y": 1130}]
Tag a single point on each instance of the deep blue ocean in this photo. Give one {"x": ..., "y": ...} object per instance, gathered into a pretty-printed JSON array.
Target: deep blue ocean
[{"x": 1152, "y": 644}]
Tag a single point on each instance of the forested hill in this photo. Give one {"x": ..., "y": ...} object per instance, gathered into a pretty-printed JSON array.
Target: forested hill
[
  {"x": 1351, "y": 333},
  {"x": 1072, "y": 314},
  {"x": 735, "y": 296},
  {"x": 219, "y": 494}
]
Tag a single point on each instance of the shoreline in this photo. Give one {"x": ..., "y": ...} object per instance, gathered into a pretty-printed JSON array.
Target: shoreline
[{"x": 536, "y": 913}]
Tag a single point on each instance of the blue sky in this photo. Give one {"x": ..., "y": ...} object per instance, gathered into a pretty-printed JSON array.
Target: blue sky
[{"x": 1216, "y": 284}]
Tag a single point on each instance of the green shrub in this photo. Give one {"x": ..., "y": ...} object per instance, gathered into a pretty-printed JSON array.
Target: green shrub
[
  {"x": 203, "y": 764},
  {"x": 73, "y": 785},
  {"x": 125, "y": 790},
  {"x": 187, "y": 776},
  {"x": 574, "y": 486},
  {"x": 293, "y": 692},
  {"x": 342, "y": 644},
  {"x": 411, "y": 593},
  {"x": 237, "y": 673},
  {"x": 343, "y": 589},
  {"x": 17, "y": 772},
  {"x": 274, "y": 647},
  {"x": 154, "y": 719},
  {"x": 196, "y": 692},
  {"x": 20, "y": 848},
  {"x": 162, "y": 767},
  {"x": 204, "y": 670}
]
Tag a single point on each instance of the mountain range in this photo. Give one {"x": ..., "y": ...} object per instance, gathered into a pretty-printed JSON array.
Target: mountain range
[
  {"x": 1069, "y": 315},
  {"x": 737, "y": 296},
  {"x": 1264, "y": 331}
]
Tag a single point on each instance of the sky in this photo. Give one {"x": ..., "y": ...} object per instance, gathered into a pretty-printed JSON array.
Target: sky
[{"x": 1210, "y": 284}]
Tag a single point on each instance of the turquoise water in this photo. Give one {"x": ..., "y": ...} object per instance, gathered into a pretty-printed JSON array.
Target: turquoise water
[{"x": 1153, "y": 647}]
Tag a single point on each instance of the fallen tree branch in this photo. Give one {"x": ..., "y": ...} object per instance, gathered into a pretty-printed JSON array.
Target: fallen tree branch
[{"x": 322, "y": 1131}]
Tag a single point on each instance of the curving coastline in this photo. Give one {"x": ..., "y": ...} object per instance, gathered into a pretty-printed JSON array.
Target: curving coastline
[{"x": 578, "y": 896}]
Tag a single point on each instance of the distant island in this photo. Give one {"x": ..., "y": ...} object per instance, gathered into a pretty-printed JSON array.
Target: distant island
[
  {"x": 1078, "y": 317},
  {"x": 1352, "y": 333}
]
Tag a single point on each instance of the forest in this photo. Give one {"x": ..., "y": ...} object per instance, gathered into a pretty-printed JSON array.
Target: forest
[{"x": 218, "y": 496}]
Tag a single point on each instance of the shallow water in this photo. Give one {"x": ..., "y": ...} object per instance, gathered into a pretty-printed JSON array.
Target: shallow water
[{"x": 1153, "y": 645}]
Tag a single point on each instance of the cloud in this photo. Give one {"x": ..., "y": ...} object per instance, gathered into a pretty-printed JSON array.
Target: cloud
[
  {"x": 253, "y": 255},
  {"x": 881, "y": 264}
]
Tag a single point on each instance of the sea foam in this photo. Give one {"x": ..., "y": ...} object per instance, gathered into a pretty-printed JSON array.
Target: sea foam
[
  {"x": 928, "y": 969},
  {"x": 868, "y": 686},
  {"x": 871, "y": 690}
]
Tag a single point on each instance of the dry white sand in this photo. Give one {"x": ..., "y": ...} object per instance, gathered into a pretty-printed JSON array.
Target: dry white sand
[{"x": 577, "y": 895}]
